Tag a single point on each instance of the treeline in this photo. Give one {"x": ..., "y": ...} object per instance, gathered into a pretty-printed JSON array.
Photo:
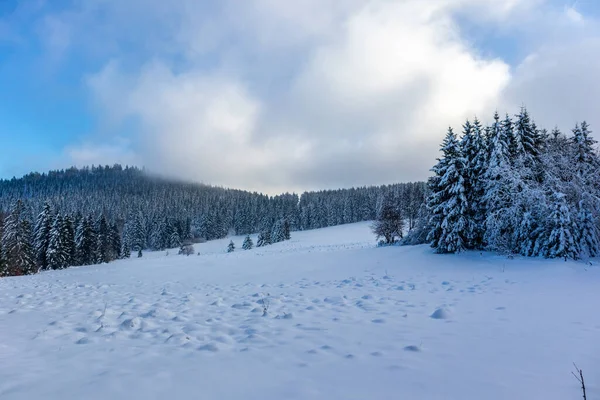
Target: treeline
[
  {"x": 55, "y": 241},
  {"x": 99, "y": 214},
  {"x": 514, "y": 188}
]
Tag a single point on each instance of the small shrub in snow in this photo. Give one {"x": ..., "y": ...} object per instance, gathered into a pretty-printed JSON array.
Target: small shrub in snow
[
  {"x": 186, "y": 249},
  {"x": 231, "y": 247}
]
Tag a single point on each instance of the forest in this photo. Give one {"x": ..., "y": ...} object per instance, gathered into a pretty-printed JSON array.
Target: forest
[
  {"x": 100, "y": 213},
  {"x": 514, "y": 188}
]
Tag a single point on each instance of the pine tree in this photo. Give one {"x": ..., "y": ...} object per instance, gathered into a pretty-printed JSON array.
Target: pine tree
[
  {"x": 277, "y": 233},
  {"x": 68, "y": 238},
  {"x": 264, "y": 239},
  {"x": 260, "y": 240},
  {"x": 137, "y": 233},
  {"x": 248, "y": 244},
  {"x": 474, "y": 153},
  {"x": 85, "y": 243},
  {"x": 174, "y": 238},
  {"x": 125, "y": 243},
  {"x": 41, "y": 235},
  {"x": 560, "y": 243},
  {"x": 500, "y": 183},
  {"x": 286, "y": 229},
  {"x": 586, "y": 157},
  {"x": 103, "y": 242},
  {"x": 231, "y": 247},
  {"x": 589, "y": 230},
  {"x": 17, "y": 242},
  {"x": 3, "y": 261},
  {"x": 115, "y": 242},
  {"x": 448, "y": 203},
  {"x": 57, "y": 254}
]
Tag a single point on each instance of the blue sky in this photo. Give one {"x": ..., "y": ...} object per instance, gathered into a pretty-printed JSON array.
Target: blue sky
[{"x": 272, "y": 95}]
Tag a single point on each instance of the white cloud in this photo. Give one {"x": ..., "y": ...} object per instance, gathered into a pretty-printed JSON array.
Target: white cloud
[{"x": 276, "y": 95}]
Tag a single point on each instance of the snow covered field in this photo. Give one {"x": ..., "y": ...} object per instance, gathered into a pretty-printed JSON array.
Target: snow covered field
[{"x": 345, "y": 320}]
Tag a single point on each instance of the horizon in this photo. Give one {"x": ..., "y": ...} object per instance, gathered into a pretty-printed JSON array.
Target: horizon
[{"x": 277, "y": 98}]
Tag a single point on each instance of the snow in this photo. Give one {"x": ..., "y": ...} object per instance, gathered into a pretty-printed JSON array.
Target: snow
[{"x": 326, "y": 315}]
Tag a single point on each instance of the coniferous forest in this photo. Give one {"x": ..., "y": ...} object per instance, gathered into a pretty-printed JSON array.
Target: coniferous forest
[
  {"x": 508, "y": 187},
  {"x": 98, "y": 214},
  {"x": 514, "y": 188}
]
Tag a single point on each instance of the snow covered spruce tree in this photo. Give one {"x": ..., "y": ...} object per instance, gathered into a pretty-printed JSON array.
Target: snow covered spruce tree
[
  {"x": 277, "y": 232},
  {"x": 231, "y": 247},
  {"x": 516, "y": 189},
  {"x": 248, "y": 244},
  {"x": 58, "y": 252},
  {"x": 85, "y": 243},
  {"x": 447, "y": 201},
  {"x": 41, "y": 235},
  {"x": 17, "y": 242},
  {"x": 474, "y": 151},
  {"x": 561, "y": 241}
]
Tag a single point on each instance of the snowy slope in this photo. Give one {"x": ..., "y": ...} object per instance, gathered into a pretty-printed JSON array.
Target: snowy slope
[{"x": 345, "y": 320}]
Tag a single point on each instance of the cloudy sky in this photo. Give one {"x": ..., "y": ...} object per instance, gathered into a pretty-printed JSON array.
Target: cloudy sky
[{"x": 277, "y": 95}]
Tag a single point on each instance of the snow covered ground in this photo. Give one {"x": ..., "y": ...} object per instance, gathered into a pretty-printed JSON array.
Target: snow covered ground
[{"x": 345, "y": 320}]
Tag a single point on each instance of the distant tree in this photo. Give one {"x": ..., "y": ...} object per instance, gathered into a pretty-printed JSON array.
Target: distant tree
[
  {"x": 41, "y": 234},
  {"x": 186, "y": 249},
  {"x": 17, "y": 242},
  {"x": 389, "y": 223},
  {"x": 277, "y": 232},
  {"x": 286, "y": 229},
  {"x": 248, "y": 244},
  {"x": 58, "y": 253},
  {"x": 231, "y": 247},
  {"x": 85, "y": 243}
]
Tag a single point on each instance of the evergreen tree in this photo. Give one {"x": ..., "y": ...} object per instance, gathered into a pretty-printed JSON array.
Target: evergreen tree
[
  {"x": 500, "y": 183},
  {"x": 586, "y": 157},
  {"x": 125, "y": 243},
  {"x": 115, "y": 242},
  {"x": 248, "y": 244},
  {"x": 174, "y": 238},
  {"x": 103, "y": 243},
  {"x": 68, "y": 238},
  {"x": 560, "y": 243},
  {"x": 41, "y": 235},
  {"x": 260, "y": 241},
  {"x": 57, "y": 254},
  {"x": 85, "y": 243},
  {"x": 286, "y": 229},
  {"x": 17, "y": 242},
  {"x": 448, "y": 203},
  {"x": 277, "y": 233},
  {"x": 474, "y": 153},
  {"x": 3, "y": 261},
  {"x": 588, "y": 227},
  {"x": 231, "y": 247}
]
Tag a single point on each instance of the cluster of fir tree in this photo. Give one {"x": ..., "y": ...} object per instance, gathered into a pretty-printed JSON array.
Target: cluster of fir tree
[
  {"x": 55, "y": 241},
  {"x": 159, "y": 210},
  {"x": 279, "y": 232},
  {"x": 514, "y": 188}
]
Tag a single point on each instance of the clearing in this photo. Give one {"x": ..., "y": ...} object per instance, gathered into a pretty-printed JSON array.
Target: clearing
[{"x": 344, "y": 320}]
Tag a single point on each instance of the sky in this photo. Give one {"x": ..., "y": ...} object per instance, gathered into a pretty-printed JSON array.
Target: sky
[{"x": 274, "y": 95}]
